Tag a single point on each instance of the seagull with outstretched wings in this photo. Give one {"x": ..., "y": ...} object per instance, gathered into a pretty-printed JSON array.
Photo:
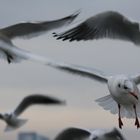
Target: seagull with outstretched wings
[
  {"x": 124, "y": 97},
  {"x": 12, "y": 120}
]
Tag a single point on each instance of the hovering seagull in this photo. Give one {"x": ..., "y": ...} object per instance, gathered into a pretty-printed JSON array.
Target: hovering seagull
[
  {"x": 124, "y": 97},
  {"x": 12, "y": 120},
  {"x": 82, "y": 134},
  {"x": 109, "y": 24},
  {"x": 27, "y": 30}
]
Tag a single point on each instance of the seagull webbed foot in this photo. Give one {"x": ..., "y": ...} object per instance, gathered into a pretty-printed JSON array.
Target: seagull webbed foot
[
  {"x": 120, "y": 123},
  {"x": 137, "y": 123},
  {"x": 136, "y": 120}
]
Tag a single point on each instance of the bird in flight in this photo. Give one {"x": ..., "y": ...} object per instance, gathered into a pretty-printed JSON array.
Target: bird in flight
[
  {"x": 124, "y": 97},
  {"x": 83, "y": 134},
  {"x": 108, "y": 24},
  {"x": 12, "y": 120},
  {"x": 27, "y": 30}
]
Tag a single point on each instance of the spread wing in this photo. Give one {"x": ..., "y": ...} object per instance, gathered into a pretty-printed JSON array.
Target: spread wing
[
  {"x": 80, "y": 70},
  {"x": 136, "y": 78},
  {"x": 35, "y": 29},
  {"x": 73, "y": 134},
  {"x": 36, "y": 99},
  {"x": 104, "y": 25}
]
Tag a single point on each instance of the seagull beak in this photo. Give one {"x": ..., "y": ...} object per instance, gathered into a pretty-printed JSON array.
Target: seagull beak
[{"x": 134, "y": 95}]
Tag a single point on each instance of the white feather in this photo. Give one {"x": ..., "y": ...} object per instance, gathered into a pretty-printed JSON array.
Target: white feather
[{"x": 108, "y": 103}]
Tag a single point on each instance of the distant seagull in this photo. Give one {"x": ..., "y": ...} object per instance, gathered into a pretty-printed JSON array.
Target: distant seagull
[
  {"x": 11, "y": 118},
  {"x": 124, "y": 97},
  {"x": 82, "y": 134},
  {"x": 27, "y": 30},
  {"x": 109, "y": 24}
]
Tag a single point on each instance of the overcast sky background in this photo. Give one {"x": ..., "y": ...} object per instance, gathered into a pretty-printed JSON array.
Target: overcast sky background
[{"x": 19, "y": 80}]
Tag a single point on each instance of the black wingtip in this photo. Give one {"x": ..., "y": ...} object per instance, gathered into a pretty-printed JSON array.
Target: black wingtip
[
  {"x": 55, "y": 34},
  {"x": 58, "y": 37},
  {"x": 76, "y": 13},
  {"x": 73, "y": 16},
  {"x": 56, "y": 101}
]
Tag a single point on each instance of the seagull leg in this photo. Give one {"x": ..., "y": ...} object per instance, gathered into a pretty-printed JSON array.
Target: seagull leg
[
  {"x": 136, "y": 121},
  {"x": 119, "y": 119}
]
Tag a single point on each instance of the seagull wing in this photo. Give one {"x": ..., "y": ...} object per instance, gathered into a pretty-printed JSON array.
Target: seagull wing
[
  {"x": 34, "y": 29},
  {"x": 115, "y": 134},
  {"x": 33, "y": 100},
  {"x": 1, "y": 116},
  {"x": 81, "y": 71},
  {"x": 104, "y": 25},
  {"x": 73, "y": 134},
  {"x": 136, "y": 78},
  {"x": 19, "y": 54}
]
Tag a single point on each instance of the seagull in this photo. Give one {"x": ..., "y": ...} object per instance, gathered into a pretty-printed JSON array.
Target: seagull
[
  {"x": 83, "y": 134},
  {"x": 12, "y": 120},
  {"x": 124, "y": 97},
  {"x": 108, "y": 24},
  {"x": 27, "y": 30}
]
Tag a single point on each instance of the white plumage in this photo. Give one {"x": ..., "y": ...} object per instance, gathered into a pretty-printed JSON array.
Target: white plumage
[{"x": 124, "y": 97}]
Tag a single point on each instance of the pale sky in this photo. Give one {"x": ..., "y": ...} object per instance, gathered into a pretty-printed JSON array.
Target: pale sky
[{"x": 19, "y": 80}]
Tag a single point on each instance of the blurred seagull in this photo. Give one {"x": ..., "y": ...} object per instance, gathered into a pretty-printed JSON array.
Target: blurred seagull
[
  {"x": 82, "y": 134},
  {"x": 124, "y": 97},
  {"x": 27, "y": 30},
  {"x": 12, "y": 120},
  {"x": 109, "y": 24}
]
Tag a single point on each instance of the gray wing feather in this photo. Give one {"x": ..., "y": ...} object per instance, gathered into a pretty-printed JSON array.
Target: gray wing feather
[
  {"x": 35, "y": 29},
  {"x": 104, "y": 25},
  {"x": 36, "y": 99},
  {"x": 73, "y": 134},
  {"x": 81, "y": 71},
  {"x": 136, "y": 78}
]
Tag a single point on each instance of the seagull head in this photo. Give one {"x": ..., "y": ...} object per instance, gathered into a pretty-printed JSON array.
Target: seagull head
[{"x": 126, "y": 86}]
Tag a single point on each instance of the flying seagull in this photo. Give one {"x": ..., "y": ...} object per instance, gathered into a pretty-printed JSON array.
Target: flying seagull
[
  {"x": 124, "y": 97},
  {"x": 108, "y": 24},
  {"x": 12, "y": 120},
  {"x": 27, "y": 30},
  {"x": 83, "y": 134}
]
